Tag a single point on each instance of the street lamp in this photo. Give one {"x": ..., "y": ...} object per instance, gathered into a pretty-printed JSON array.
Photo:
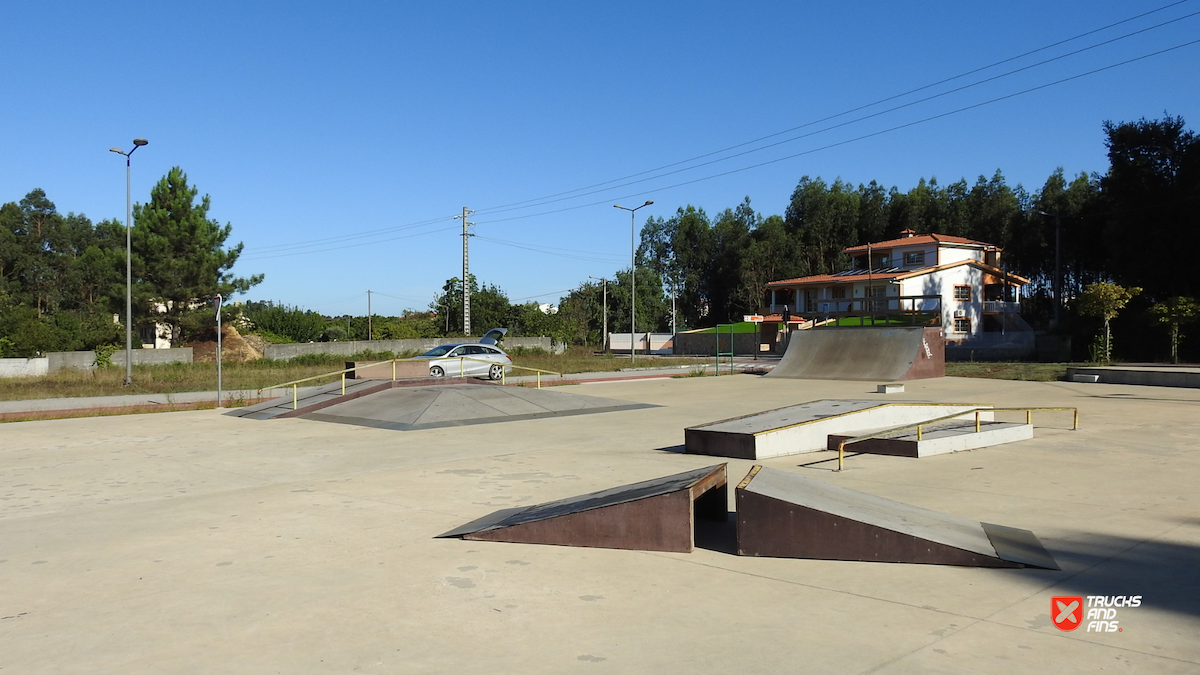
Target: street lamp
[
  {"x": 137, "y": 143},
  {"x": 1057, "y": 265},
  {"x": 632, "y": 270},
  {"x": 605, "y": 301}
]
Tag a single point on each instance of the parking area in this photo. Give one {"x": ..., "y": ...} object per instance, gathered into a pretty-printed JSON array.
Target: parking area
[{"x": 198, "y": 542}]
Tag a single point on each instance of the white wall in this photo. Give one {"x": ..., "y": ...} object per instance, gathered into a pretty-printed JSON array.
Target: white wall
[
  {"x": 948, "y": 255},
  {"x": 24, "y": 367},
  {"x": 942, "y": 283}
]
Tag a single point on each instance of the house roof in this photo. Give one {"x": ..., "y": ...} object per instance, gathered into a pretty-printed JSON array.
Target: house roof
[
  {"x": 891, "y": 274},
  {"x": 923, "y": 239}
]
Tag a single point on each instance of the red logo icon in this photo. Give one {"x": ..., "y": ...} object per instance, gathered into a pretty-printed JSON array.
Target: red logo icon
[{"x": 1067, "y": 612}]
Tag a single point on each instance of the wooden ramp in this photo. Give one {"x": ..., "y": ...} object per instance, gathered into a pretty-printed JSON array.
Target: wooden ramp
[
  {"x": 653, "y": 515},
  {"x": 783, "y": 515}
]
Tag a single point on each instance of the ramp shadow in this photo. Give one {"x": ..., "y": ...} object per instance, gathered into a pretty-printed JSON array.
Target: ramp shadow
[
  {"x": 714, "y": 534},
  {"x": 678, "y": 449}
]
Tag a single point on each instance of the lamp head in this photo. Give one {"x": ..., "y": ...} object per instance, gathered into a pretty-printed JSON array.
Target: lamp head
[
  {"x": 618, "y": 206},
  {"x": 648, "y": 203},
  {"x": 140, "y": 141},
  {"x": 117, "y": 150}
]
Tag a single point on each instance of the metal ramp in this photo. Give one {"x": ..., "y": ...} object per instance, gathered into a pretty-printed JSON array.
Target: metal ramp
[
  {"x": 783, "y": 515},
  {"x": 807, "y": 427},
  {"x": 653, "y": 515},
  {"x": 938, "y": 439},
  {"x": 311, "y": 398}
]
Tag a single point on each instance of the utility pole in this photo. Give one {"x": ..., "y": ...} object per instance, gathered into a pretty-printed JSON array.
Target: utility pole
[
  {"x": 604, "y": 335},
  {"x": 466, "y": 273},
  {"x": 368, "y": 314}
]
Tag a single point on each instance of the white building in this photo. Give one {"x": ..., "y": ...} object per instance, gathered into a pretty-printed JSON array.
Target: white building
[{"x": 931, "y": 276}]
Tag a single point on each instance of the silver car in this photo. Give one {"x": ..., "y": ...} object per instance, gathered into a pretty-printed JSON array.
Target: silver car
[{"x": 470, "y": 359}]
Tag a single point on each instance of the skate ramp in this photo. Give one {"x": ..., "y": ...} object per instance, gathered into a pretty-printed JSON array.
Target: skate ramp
[
  {"x": 431, "y": 407},
  {"x": 653, "y": 515},
  {"x": 890, "y": 354},
  {"x": 783, "y": 515}
]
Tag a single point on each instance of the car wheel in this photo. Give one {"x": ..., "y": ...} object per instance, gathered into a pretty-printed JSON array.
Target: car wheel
[
  {"x": 496, "y": 372},
  {"x": 436, "y": 371}
]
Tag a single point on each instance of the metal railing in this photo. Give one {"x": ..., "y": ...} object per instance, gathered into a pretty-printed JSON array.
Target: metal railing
[
  {"x": 920, "y": 426},
  {"x": 295, "y": 384}
]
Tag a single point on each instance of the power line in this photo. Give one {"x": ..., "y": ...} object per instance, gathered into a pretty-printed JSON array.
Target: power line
[
  {"x": 855, "y": 139},
  {"x": 251, "y": 256},
  {"x": 547, "y": 250},
  {"x": 846, "y": 123},
  {"x": 506, "y": 207}
]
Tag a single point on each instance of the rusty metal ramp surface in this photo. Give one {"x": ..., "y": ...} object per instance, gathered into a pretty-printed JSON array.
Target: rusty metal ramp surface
[
  {"x": 788, "y": 516},
  {"x": 408, "y": 408},
  {"x": 653, "y": 515},
  {"x": 884, "y": 354}
]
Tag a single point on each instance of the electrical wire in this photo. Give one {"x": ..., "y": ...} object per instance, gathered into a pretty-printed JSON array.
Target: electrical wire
[
  {"x": 848, "y": 122},
  {"x": 855, "y": 139},
  {"x": 843, "y": 113}
]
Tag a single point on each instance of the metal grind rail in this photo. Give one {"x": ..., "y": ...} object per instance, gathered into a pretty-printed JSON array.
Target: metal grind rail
[
  {"x": 920, "y": 426},
  {"x": 295, "y": 384}
]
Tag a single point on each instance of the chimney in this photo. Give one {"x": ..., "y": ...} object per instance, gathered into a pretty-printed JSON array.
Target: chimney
[{"x": 908, "y": 232}]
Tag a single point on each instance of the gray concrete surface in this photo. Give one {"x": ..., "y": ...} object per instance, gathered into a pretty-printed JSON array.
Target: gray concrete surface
[
  {"x": 193, "y": 542},
  {"x": 1160, "y": 375}
]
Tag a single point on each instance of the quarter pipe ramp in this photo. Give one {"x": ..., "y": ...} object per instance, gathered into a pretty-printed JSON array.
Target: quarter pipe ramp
[{"x": 891, "y": 354}]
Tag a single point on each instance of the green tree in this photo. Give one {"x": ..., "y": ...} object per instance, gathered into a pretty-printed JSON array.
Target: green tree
[
  {"x": 1151, "y": 190},
  {"x": 180, "y": 260},
  {"x": 1174, "y": 313},
  {"x": 1105, "y": 300}
]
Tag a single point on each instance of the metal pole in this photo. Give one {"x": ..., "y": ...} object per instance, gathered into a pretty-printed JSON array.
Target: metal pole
[
  {"x": 1057, "y": 269},
  {"x": 128, "y": 276},
  {"x": 137, "y": 143},
  {"x": 368, "y": 315},
  {"x": 605, "y": 315},
  {"x": 466, "y": 273},
  {"x": 632, "y": 277},
  {"x": 218, "y": 350}
]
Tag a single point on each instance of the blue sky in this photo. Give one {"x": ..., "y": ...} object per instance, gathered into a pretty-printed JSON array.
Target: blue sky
[{"x": 339, "y": 139}]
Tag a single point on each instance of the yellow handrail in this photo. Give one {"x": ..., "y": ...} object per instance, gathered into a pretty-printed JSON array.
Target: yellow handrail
[
  {"x": 294, "y": 384},
  {"x": 919, "y": 426}
]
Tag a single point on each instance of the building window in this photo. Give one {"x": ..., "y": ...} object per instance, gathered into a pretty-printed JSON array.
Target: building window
[
  {"x": 837, "y": 292},
  {"x": 962, "y": 325},
  {"x": 962, "y": 293},
  {"x": 914, "y": 258}
]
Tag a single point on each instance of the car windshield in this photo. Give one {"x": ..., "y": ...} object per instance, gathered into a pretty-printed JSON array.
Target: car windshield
[{"x": 439, "y": 351}]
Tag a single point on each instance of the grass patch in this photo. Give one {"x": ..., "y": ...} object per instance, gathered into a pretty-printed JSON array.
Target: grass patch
[
  {"x": 1031, "y": 372},
  {"x": 241, "y": 379}
]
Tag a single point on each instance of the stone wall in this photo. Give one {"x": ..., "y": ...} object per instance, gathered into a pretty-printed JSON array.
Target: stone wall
[
  {"x": 420, "y": 346},
  {"x": 24, "y": 367},
  {"x": 141, "y": 357}
]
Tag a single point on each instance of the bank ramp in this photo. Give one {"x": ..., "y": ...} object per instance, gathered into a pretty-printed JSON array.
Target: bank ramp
[
  {"x": 866, "y": 353},
  {"x": 783, "y": 515}
]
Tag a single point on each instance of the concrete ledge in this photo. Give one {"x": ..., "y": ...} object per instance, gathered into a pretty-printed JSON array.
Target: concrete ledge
[{"x": 1154, "y": 376}]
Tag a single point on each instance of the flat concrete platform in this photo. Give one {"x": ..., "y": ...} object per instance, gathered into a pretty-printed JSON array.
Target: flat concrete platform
[
  {"x": 806, "y": 427},
  {"x": 194, "y": 542},
  {"x": 452, "y": 405},
  {"x": 1157, "y": 375},
  {"x": 938, "y": 439}
]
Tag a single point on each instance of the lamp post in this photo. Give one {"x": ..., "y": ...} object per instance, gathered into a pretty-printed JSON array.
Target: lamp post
[
  {"x": 1057, "y": 265},
  {"x": 137, "y": 143},
  {"x": 605, "y": 301},
  {"x": 632, "y": 270}
]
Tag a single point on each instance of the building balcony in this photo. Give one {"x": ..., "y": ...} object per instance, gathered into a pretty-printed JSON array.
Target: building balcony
[{"x": 1000, "y": 307}]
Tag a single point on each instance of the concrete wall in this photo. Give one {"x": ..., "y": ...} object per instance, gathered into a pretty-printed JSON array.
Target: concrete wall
[
  {"x": 704, "y": 344},
  {"x": 290, "y": 351},
  {"x": 141, "y": 357},
  {"x": 24, "y": 367},
  {"x": 657, "y": 343}
]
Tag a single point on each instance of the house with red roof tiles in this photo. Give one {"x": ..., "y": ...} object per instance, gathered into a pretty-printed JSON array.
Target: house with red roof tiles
[{"x": 929, "y": 278}]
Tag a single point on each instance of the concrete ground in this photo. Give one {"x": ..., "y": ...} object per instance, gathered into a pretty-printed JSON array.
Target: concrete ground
[{"x": 193, "y": 542}]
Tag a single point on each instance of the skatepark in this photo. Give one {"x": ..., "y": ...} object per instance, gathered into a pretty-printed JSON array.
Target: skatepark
[{"x": 199, "y": 541}]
